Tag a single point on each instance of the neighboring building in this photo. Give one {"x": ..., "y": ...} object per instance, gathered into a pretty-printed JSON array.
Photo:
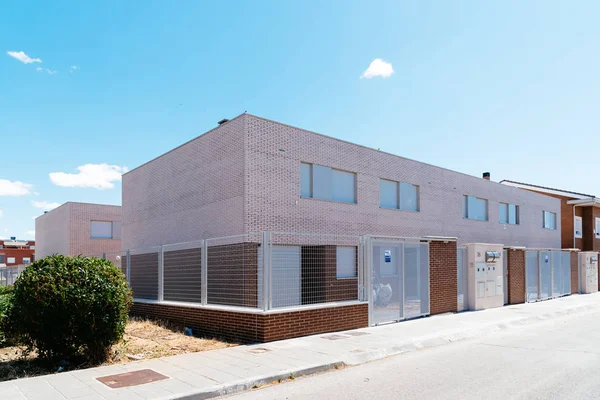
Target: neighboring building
[
  {"x": 16, "y": 252},
  {"x": 579, "y": 215},
  {"x": 79, "y": 229},
  {"x": 251, "y": 174}
]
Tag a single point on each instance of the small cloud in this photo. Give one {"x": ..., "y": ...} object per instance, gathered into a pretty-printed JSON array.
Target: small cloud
[
  {"x": 24, "y": 58},
  {"x": 14, "y": 188},
  {"x": 1, "y": 213},
  {"x": 98, "y": 176},
  {"x": 73, "y": 68},
  {"x": 30, "y": 234},
  {"x": 44, "y": 205},
  {"x": 47, "y": 70},
  {"x": 378, "y": 67}
]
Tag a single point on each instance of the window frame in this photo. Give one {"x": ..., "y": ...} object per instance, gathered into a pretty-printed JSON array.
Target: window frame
[
  {"x": 544, "y": 220},
  {"x": 102, "y": 237},
  {"x": 508, "y": 208},
  {"x": 339, "y": 276},
  {"x": 465, "y": 199},
  {"x": 14, "y": 260},
  {"x": 311, "y": 169},
  {"x": 575, "y": 220},
  {"x": 28, "y": 260},
  {"x": 597, "y": 226},
  {"x": 398, "y": 188}
]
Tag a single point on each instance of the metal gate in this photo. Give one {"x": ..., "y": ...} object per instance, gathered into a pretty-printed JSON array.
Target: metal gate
[
  {"x": 463, "y": 278},
  {"x": 548, "y": 274},
  {"x": 399, "y": 279},
  {"x": 505, "y": 274}
]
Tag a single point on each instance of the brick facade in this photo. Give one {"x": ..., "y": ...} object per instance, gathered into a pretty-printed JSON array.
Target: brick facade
[
  {"x": 443, "y": 284},
  {"x": 516, "y": 276},
  {"x": 575, "y": 272},
  {"x": 258, "y": 327},
  {"x": 8, "y": 253}
]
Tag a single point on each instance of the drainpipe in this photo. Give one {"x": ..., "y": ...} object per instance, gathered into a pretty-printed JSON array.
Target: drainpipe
[{"x": 574, "y": 233}]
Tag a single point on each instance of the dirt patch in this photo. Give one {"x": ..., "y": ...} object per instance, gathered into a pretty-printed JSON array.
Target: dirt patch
[{"x": 143, "y": 339}]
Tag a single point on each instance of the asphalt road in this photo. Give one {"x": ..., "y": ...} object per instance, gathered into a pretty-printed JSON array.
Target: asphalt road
[{"x": 556, "y": 359}]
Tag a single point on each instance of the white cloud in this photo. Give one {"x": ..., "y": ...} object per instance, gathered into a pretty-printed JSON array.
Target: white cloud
[
  {"x": 378, "y": 67},
  {"x": 29, "y": 234},
  {"x": 14, "y": 188},
  {"x": 1, "y": 213},
  {"x": 44, "y": 205},
  {"x": 39, "y": 69},
  {"x": 98, "y": 176},
  {"x": 24, "y": 58},
  {"x": 73, "y": 68}
]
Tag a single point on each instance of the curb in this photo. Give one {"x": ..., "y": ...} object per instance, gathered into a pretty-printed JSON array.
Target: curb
[{"x": 374, "y": 355}]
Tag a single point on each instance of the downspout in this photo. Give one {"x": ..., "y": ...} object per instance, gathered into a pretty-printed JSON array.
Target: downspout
[{"x": 574, "y": 232}]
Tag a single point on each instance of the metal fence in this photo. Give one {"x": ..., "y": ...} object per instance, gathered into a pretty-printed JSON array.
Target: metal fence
[
  {"x": 9, "y": 275},
  {"x": 262, "y": 271},
  {"x": 548, "y": 274},
  {"x": 462, "y": 278}
]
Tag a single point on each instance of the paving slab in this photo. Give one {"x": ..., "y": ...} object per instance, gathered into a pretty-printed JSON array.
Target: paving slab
[{"x": 217, "y": 372}]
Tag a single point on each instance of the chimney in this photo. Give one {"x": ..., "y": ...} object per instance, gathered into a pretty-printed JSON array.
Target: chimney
[
  {"x": 221, "y": 122},
  {"x": 486, "y": 176}
]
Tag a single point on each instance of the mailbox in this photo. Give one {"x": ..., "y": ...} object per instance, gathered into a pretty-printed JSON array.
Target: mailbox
[
  {"x": 485, "y": 276},
  {"x": 588, "y": 276},
  {"x": 492, "y": 256}
]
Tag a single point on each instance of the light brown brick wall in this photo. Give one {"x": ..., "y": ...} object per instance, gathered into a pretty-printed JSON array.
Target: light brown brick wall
[
  {"x": 251, "y": 328},
  {"x": 516, "y": 276},
  {"x": 574, "y": 272},
  {"x": 443, "y": 283}
]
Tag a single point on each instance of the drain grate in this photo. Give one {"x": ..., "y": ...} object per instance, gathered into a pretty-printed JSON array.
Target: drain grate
[{"x": 132, "y": 378}]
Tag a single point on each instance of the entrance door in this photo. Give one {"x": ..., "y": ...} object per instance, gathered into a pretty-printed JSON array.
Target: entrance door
[{"x": 387, "y": 296}]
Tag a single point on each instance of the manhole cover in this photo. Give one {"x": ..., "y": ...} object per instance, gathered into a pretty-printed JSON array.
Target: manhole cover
[
  {"x": 133, "y": 378},
  {"x": 357, "y": 333},
  {"x": 334, "y": 337},
  {"x": 259, "y": 350}
]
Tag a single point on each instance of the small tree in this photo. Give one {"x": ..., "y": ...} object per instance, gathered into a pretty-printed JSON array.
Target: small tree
[{"x": 69, "y": 307}]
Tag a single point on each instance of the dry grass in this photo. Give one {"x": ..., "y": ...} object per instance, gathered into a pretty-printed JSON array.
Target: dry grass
[{"x": 143, "y": 339}]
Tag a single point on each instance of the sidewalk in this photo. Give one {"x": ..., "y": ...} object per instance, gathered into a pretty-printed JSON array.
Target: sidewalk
[{"x": 213, "y": 373}]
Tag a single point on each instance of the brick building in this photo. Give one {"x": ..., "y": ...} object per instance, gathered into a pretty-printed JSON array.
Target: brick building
[
  {"x": 16, "y": 252},
  {"x": 79, "y": 229},
  {"x": 258, "y": 231},
  {"x": 579, "y": 215}
]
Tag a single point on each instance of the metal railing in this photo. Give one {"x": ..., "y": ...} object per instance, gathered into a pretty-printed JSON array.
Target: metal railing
[
  {"x": 255, "y": 271},
  {"x": 10, "y": 274}
]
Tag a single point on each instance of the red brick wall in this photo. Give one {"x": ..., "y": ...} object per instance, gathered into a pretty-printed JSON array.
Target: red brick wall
[
  {"x": 516, "y": 276},
  {"x": 574, "y": 272},
  {"x": 443, "y": 283},
  {"x": 310, "y": 322},
  {"x": 251, "y": 328}
]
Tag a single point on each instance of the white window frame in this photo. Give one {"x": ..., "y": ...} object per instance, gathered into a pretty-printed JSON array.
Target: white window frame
[
  {"x": 315, "y": 168},
  {"x": 597, "y": 230},
  {"x": 340, "y": 269},
  {"x": 465, "y": 200},
  {"x": 101, "y": 237},
  {"x": 578, "y": 232},
  {"x": 28, "y": 260},
  {"x": 544, "y": 225},
  {"x": 8, "y": 260}
]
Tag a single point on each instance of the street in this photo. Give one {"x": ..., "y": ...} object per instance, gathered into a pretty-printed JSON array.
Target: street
[{"x": 556, "y": 359}]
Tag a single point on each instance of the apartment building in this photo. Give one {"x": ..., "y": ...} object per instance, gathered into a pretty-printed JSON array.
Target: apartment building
[
  {"x": 251, "y": 174},
  {"x": 79, "y": 229},
  {"x": 16, "y": 252},
  {"x": 579, "y": 215}
]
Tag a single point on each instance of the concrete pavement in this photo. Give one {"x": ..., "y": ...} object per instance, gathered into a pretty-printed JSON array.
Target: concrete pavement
[
  {"x": 224, "y": 371},
  {"x": 554, "y": 359}
]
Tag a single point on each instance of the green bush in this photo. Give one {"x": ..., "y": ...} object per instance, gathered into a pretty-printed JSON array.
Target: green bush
[
  {"x": 68, "y": 308},
  {"x": 6, "y": 294}
]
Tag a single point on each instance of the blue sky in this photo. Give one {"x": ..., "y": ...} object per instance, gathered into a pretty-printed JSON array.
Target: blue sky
[{"x": 508, "y": 87}]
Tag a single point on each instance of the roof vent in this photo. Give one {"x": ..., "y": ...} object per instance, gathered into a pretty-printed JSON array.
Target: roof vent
[
  {"x": 221, "y": 122},
  {"x": 486, "y": 176}
]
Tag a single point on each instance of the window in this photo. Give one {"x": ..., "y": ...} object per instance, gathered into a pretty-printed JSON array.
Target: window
[
  {"x": 346, "y": 262},
  {"x": 597, "y": 231},
  {"x": 2, "y": 258},
  {"x": 578, "y": 227},
  {"x": 475, "y": 208},
  {"x": 508, "y": 213},
  {"x": 10, "y": 260},
  {"x": 325, "y": 183},
  {"x": 26, "y": 260},
  {"x": 105, "y": 230},
  {"x": 549, "y": 220},
  {"x": 398, "y": 195}
]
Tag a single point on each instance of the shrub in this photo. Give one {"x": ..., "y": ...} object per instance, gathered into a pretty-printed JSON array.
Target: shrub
[
  {"x": 69, "y": 307},
  {"x": 6, "y": 294}
]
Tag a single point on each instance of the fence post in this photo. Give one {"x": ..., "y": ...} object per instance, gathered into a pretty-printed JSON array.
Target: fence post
[
  {"x": 204, "y": 273},
  {"x": 161, "y": 274},
  {"x": 266, "y": 281},
  {"x": 128, "y": 267}
]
